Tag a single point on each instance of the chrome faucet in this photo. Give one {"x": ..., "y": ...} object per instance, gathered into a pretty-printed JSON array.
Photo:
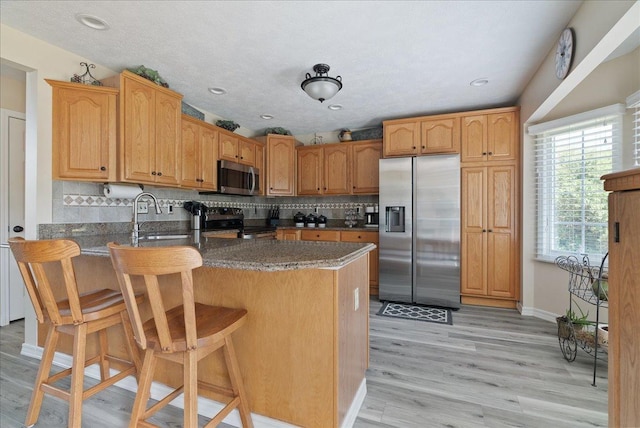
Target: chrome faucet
[{"x": 136, "y": 225}]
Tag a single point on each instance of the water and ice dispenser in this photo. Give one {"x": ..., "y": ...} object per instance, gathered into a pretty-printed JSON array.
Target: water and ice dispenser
[{"x": 394, "y": 219}]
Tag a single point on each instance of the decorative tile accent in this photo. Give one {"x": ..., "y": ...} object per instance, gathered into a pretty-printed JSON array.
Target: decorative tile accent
[{"x": 102, "y": 201}]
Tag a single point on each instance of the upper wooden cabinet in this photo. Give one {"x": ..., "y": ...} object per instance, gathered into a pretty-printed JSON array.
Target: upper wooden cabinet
[
  {"x": 490, "y": 137},
  {"x": 150, "y": 126},
  {"x": 280, "y": 164},
  {"x": 84, "y": 132},
  {"x": 237, "y": 149},
  {"x": 440, "y": 135},
  {"x": 339, "y": 169},
  {"x": 422, "y": 136},
  {"x": 324, "y": 170},
  {"x": 199, "y": 154},
  {"x": 365, "y": 159},
  {"x": 401, "y": 138}
]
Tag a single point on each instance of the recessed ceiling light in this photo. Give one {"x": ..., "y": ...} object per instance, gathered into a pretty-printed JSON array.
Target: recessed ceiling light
[
  {"x": 335, "y": 107},
  {"x": 479, "y": 82},
  {"x": 92, "y": 21},
  {"x": 266, "y": 116},
  {"x": 218, "y": 91}
]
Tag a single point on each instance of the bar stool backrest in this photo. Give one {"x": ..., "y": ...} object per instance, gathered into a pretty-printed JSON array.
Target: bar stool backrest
[
  {"x": 32, "y": 258},
  {"x": 150, "y": 263}
]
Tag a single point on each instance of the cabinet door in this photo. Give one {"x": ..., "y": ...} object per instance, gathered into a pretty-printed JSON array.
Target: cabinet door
[
  {"x": 190, "y": 175},
  {"x": 168, "y": 119},
  {"x": 139, "y": 122},
  {"x": 84, "y": 132},
  {"x": 309, "y": 177},
  {"x": 260, "y": 165},
  {"x": 440, "y": 136},
  {"x": 246, "y": 152},
  {"x": 401, "y": 139},
  {"x": 320, "y": 235},
  {"x": 473, "y": 239},
  {"x": 290, "y": 235},
  {"x": 336, "y": 170},
  {"x": 473, "y": 146},
  {"x": 208, "y": 158},
  {"x": 502, "y": 136},
  {"x": 365, "y": 167},
  {"x": 281, "y": 161},
  {"x": 501, "y": 238},
  {"x": 372, "y": 237},
  {"x": 228, "y": 149},
  {"x": 624, "y": 301}
]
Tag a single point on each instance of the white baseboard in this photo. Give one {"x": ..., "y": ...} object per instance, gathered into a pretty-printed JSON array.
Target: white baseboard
[
  {"x": 206, "y": 407},
  {"x": 354, "y": 409},
  {"x": 538, "y": 313}
]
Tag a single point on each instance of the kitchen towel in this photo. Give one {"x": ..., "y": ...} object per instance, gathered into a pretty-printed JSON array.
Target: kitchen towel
[{"x": 121, "y": 191}]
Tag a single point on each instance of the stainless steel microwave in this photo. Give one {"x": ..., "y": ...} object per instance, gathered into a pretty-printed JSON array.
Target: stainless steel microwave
[{"x": 238, "y": 179}]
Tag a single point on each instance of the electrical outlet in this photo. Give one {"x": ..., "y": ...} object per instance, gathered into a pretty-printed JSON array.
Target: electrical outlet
[
  {"x": 169, "y": 209},
  {"x": 356, "y": 299},
  {"x": 315, "y": 209},
  {"x": 143, "y": 207}
]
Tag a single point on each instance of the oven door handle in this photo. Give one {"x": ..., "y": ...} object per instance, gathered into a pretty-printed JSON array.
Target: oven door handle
[{"x": 252, "y": 175}]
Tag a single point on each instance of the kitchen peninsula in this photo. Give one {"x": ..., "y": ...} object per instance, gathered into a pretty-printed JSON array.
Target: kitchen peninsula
[{"x": 305, "y": 347}]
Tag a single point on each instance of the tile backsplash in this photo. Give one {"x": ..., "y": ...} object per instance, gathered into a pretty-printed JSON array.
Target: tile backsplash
[{"x": 79, "y": 202}]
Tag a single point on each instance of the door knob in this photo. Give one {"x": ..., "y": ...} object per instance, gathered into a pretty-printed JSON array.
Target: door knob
[{"x": 18, "y": 229}]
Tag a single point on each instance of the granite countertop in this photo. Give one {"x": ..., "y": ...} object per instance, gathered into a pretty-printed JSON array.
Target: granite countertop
[{"x": 244, "y": 254}]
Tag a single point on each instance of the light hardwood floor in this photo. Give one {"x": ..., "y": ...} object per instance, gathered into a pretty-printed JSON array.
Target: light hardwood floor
[{"x": 491, "y": 368}]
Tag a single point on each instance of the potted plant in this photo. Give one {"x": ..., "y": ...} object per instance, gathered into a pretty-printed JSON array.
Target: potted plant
[
  {"x": 229, "y": 125},
  {"x": 277, "y": 130},
  {"x": 578, "y": 322}
]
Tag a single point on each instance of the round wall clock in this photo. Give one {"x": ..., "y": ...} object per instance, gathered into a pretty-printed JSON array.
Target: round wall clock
[{"x": 564, "y": 53}]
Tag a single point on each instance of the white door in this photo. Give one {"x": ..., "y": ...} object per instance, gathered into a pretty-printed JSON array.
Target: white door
[{"x": 12, "y": 291}]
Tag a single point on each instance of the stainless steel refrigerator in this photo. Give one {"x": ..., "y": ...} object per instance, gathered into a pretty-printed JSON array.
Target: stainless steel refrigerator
[{"x": 420, "y": 230}]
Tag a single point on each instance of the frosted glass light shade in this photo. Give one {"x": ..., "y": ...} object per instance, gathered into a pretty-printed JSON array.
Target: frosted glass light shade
[{"x": 321, "y": 87}]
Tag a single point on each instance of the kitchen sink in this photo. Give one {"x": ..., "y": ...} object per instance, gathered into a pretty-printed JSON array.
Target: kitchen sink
[{"x": 159, "y": 237}]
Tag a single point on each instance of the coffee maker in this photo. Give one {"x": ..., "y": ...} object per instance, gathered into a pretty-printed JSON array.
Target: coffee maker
[{"x": 371, "y": 216}]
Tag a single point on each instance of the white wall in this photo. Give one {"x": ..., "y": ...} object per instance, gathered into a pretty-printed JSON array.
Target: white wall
[{"x": 599, "y": 27}]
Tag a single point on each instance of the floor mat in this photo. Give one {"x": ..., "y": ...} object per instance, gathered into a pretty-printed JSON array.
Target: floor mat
[{"x": 416, "y": 312}]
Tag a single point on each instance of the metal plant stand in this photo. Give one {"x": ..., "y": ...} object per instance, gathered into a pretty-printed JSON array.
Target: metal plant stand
[{"x": 587, "y": 283}]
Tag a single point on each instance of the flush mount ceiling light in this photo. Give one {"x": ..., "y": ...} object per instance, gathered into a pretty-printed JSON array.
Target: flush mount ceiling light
[
  {"x": 335, "y": 107},
  {"x": 479, "y": 82},
  {"x": 266, "y": 116},
  {"x": 92, "y": 21},
  {"x": 321, "y": 87},
  {"x": 218, "y": 91}
]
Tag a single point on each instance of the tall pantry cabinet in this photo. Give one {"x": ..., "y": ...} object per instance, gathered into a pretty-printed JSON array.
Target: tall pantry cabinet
[
  {"x": 490, "y": 208},
  {"x": 624, "y": 297}
]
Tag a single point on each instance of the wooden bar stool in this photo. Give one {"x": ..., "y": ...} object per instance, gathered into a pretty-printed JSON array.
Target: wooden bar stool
[
  {"x": 184, "y": 334},
  {"x": 76, "y": 315}
]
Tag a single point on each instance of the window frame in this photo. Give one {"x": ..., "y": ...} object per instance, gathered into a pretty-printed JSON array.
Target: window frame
[{"x": 551, "y": 139}]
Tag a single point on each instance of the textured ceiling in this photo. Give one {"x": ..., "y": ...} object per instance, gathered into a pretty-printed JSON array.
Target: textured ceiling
[{"x": 397, "y": 59}]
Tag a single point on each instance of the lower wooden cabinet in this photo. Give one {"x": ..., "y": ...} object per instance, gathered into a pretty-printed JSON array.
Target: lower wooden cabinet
[
  {"x": 340, "y": 236},
  {"x": 624, "y": 297},
  {"x": 372, "y": 237},
  {"x": 489, "y": 239}
]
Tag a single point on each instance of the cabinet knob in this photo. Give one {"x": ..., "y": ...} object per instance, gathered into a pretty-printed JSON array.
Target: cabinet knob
[
  {"x": 159, "y": 174},
  {"x": 484, "y": 153},
  {"x": 490, "y": 230},
  {"x": 153, "y": 173},
  {"x": 484, "y": 230},
  {"x": 103, "y": 168},
  {"x": 414, "y": 147},
  {"x": 424, "y": 147},
  {"x": 354, "y": 187},
  {"x": 490, "y": 153}
]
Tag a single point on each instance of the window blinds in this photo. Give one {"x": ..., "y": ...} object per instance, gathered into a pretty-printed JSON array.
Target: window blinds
[
  {"x": 571, "y": 154},
  {"x": 633, "y": 102}
]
